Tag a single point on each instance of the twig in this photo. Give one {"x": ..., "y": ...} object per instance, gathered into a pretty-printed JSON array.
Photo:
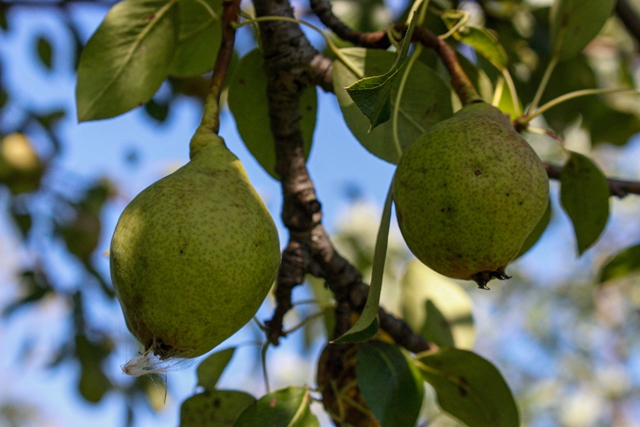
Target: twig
[
  {"x": 289, "y": 63},
  {"x": 379, "y": 40},
  {"x": 629, "y": 18},
  {"x": 322, "y": 9},
  {"x": 619, "y": 188}
]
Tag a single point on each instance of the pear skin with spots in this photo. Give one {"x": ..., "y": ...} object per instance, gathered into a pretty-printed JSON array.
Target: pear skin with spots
[
  {"x": 194, "y": 255},
  {"x": 468, "y": 193}
]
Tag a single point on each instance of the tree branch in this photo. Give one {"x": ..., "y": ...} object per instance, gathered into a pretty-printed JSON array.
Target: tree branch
[
  {"x": 618, "y": 187},
  {"x": 322, "y": 9},
  {"x": 629, "y": 18},
  {"x": 292, "y": 65},
  {"x": 379, "y": 40}
]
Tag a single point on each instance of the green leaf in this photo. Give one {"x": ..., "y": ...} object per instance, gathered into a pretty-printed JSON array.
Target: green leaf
[
  {"x": 199, "y": 38},
  {"x": 127, "y": 58},
  {"x": 437, "y": 307},
  {"x": 51, "y": 118},
  {"x": 537, "y": 232},
  {"x": 93, "y": 383},
  {"x": 372, "y": 95},
  {"x": 157, "y": 110},
  {"x": 584, "y": 195},
  {"x": 287, "y": 407},
  {"x": 624, "y": 263},
  {"x": 596, "y": 119},
  {"x": 211, "y": 368},
  {"x": 574, "y": 23},
  {"x": 367, "y": 324},
  {"x": 470, "y": 388},
  {"x": 486, "y": 44},
  {"x": 214, "y": 408},
  {"x": 436, "y": 327},
  {"x": 35, "y": 287},
  {"x": 45, "y": 52},
  {"x": 4, "y": 97},
  {"x": 568, "y": 76},
  {"x": 427, "y": 102},
  {"x": 360, "y": 332},
  {"x": 4, "y": 24},
  {"x": 23, "y": 221},
  {"x": 390, "y": 384},
  {"x": 477, "y": 75},
  {"x": 481, "y": 40},
  {"x": 249, "y": 105}
]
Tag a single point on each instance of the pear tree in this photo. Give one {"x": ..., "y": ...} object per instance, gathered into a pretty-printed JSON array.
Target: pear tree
[{"x": 477, "y": 105}]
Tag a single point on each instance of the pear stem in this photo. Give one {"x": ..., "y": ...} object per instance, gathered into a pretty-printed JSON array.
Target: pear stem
[
  {"x": 459, "y": 80},
  {"x": 512, "y": 89},
  {"x": 211, "y": 117}
]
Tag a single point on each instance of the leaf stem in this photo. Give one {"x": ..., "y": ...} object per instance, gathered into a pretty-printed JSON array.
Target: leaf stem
[
  {"x": 416, "y": 18},
  {"x": 512, "y": 90},
  {"x": 265, "y": 373},
  {"x": 210, "y": 11},
  {"x": 330, "y": 44},
  {"x": 543, "y": 84},
  {"x": 308, "y": 319},
  {"x": 566, "y": 97},
  {"x": 464, "y": 17},
  {"x": 371, "y": 308},
  {"x": 399, "y": 94}
]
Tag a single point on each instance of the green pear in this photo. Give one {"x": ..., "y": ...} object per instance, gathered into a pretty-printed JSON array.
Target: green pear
[
  {"x": 468, "y": 193},
  {"x": 193, "y": 255}
]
